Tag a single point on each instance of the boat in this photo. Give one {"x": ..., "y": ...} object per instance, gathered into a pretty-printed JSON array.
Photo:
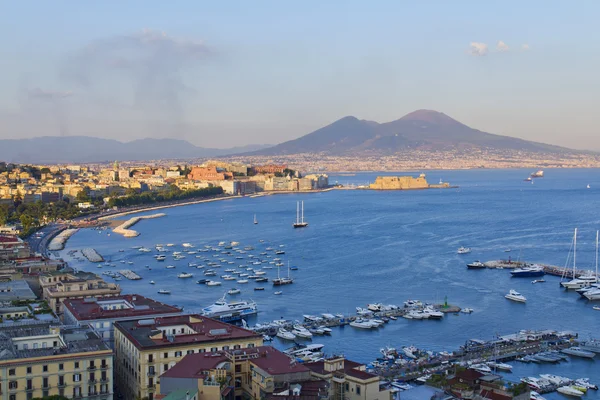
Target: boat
[
  {"x": 569, "y": 391},
  {"x": 299, "y": 217},
  {"x": 484, "y": 369},
  {"x": 362, "y": 324},
  {"x": 234, "y": 291},
  {"x": 410, "y": 351},
  {"x": 213, "y": 283},
  {"x": 515, "y": 296},
  {"x": 170, "y": 266},
  {"x": 533, "y": 395},
  {"x": 152, "y": 282},
  {"x": 585, "y": 382},
  {"x": 235, "y": 310},
  {"x": 301, "y": 332},
  {"x": 538, "y": 281},
  {"x": 242, "y": 281},
  {"x": 433, "y": 313},
  {"x": 184, "y": 275},
  {"x": 255, "y": 220},
  {"x": 584, "y": 280},
  {"x": 259, "y": 288},
  {"x": 285, "y": 335},
  {"x": 374, "y": 307},
  {"x": 463, "y": 250},
  {"x": 283, "y": 281},
  {"x": 578, "y": 352},
  {"x": 187, "y": 245},
  {"x": 537, "y": 174},
  {"x": 413, "y": 303},
  {"x": 588, "y": 186},
  {"x": 202, "y": 281},
  {"x": 500, "y": 366},
  {"x": 528, "y": 271},
  {"x": 466, "y": 310},
  {"x": 597, "y": 308},
  {"x": 476, "y": 265},
  {"x": 164, "y": 291},
  {"x": 278, "y": 293}
]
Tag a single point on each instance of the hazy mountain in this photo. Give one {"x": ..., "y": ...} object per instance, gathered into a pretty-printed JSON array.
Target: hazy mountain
[
  {"x": 419, "y": 130},
  {"x": 76, "y": 149}
]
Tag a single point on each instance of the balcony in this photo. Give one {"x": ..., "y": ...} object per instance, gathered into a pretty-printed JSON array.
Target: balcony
[
  {"x": 92, "y": 367},
  {"x": 104, "y": 380},
  {"x": 151, "y": 387},
  {"x": 338, "y": 377},
  {"x": 28, "y": 389},
  {"x": 46, "y": 387},
  {"x": 92, "y": 381},
  {"x": 62, "y": 384},
  {"x": 151, "y": 373},
  {"x": 208, "y": 382},
  {"x": 105, "y": 366}
]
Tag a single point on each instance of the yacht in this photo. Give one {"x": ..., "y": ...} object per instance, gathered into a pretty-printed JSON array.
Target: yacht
[
  {"x": 213, "y": 283},
  {"x": 580, "y": 282},
  {"x": 516, "y": 296},
  {"x": 164, "y": 291},
  {"x": 374, "y": 307},
  {"x": 500, "y": 366},
  {"x": 234, "y": 291},
  {"x": 463, "y": 250},
  {"x": 170, "y": 266},
  {"x": 230, "y": 311},
  {"x": 187, "y": 245},
  {"x": 413, "y": 303},
  {"x": 299, "y": 218},
  {"x": 283, "y": 280},
  {"x": 285, "y": 335},
  {"x": 591, "y": 345},
  {"x": 528, "y": 271},
  {"x": 301, "y": 332},
  {"x": 578, "y": 352},
  {"x": 476, "y": 265},
  {"x": 433, "y": 313},
  {"x": 569, "y": 391},
  {"x": 362, "y": 324},
  {"x": 184, "y": 275},
  {"x": 409, "y": 351}
]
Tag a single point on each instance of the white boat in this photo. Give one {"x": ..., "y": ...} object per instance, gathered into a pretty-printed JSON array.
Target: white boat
[
  {"x": 578, "y": 352},
  {"x": 144, "y": 250},
  {"x": 555, "y": 379},
  {"x": 585, "y": 280},
  {"x": 301, "y": 332},
  {"x": 413, "y": 303},
  {"x": 374, "y": 307},
  {"x": 170, "y": 266},
  {"x": 230, "y": 311},
  {"x": 299, "y": 218},
  {"x": 187, "y": 245},
  {"x": 213, "y": 283},
  {"x": 242, "y": 281},
  {"x": 278, "y": 293},
  {"x": 152, "y": 282},
  {"x": 533, "y": 395},
  {"x": 363, "y": 324},
  {"x": 161, "y": 258},
  {"x": 234, "y": 291},
  {"x": 285, "y": 335},
  {"x": 164, "y": 291},
  {"x": 500, "y": 366},
  {"x": 184, "y": 275},
  {"x": 484, "y": 369},
  {"x": 516, "y": 296},
  {"x": 569, "y": 391},
  {"x": 463, "y": 250},
  {"x": 228, "y": 278},
  {"x": 466, "y": 310},
  {"x": 433, "y": 313},
  {"x": 409, "y": 351}
]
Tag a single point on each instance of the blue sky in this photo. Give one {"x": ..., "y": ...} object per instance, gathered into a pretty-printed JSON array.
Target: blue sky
[{"x": 232, "y": 73}]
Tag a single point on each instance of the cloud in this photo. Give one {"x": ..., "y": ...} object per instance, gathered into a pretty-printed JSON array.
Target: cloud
[
  {"x": 478, "y": 49},
  {"x": 38, "y": 93},
  {"x": 501, "y": 46},
  {"x": 525, "y": 47}
]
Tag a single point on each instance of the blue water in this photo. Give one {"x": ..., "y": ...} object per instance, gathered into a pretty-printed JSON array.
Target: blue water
[{"x": 368, "y": 246}]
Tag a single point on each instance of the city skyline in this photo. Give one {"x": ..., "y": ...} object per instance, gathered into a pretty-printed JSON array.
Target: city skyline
[{"x": 217, "y": 74}]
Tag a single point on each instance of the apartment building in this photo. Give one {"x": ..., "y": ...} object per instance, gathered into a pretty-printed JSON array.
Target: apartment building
[
  {"x": 12, "y": 248},
  {"x": 61, "y": 285},
  {"x": 101, "y": 313},
  {"x": 40, "y": 360},
  {"x": 146, "y": 348}
]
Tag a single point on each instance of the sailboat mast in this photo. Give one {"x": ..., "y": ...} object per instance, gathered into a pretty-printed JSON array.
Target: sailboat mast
[
  {"x": 302, "y": 212},
  {"x": 597, "y": 256},
  {"x": 297, "y": 212},
  {"x": 574, "y": 253}
]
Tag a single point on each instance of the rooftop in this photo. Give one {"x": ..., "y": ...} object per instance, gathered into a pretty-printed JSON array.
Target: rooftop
[
  {"x": 351, "y": 368},
  {"x": 180, "y": 330},
  {"x": 181, "y": 394},
  {"x": 126, "y": 306},
  {"x": 16, "y": 290},
  {"x": 68, "y": 341}
]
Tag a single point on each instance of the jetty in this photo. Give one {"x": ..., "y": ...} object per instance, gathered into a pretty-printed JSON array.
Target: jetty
[
  {"x": 554, "y": 270},
  {"x": 92, "y": 255},
  {"x": 58, "y": 242},
  {"x": 124, "y": 230},
  {"x": 129, "y": 274}
]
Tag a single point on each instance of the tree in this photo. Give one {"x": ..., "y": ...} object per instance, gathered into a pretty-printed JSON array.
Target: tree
[
  {"x": 83, "y": 195},
  {"x": 4, "y": 213},
  {"x": 45, "y": 170},
  {"x": 27, "y": 221}
]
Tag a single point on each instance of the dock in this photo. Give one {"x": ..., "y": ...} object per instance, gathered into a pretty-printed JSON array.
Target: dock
[
  {"x": 92, "y": 255},
  {"x": 554, "y": 270},
  {"x": 129, "y": 274},
  {"x": 124, "y": 230}
]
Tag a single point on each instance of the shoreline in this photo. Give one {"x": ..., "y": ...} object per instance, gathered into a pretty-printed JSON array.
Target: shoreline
[{"x": 123, "y": 229}]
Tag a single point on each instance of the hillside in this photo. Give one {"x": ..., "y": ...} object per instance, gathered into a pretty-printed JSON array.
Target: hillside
[{"x": 420, "y": 130}]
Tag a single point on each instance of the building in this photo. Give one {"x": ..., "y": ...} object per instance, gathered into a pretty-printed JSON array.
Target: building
[
  {"x": 208, "y": 174},
  {"x": 399, "y": 183},
  {"x": 269, "y": 169},
  {"x": 320, "y": 181},
  {"x": 101, "y": 313},
  {"x": 348, "y": 380},
  {"x": 13, "y": 312},
  {"x": 13, "y": 247},
  {"x": 146, "y": 348},
  {"x": 61, "y": 285},
  {"x": 254, "y": 373},
  {"x": 11, "y": 290},
  {"x": 39, "y": 360}
]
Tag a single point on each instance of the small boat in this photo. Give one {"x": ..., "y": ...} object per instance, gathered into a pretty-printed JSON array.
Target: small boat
[
  {"x": 234, "y": 291},
  {"x": 278, "y": 293},
  {"x": 152, "y": 282},
  {"x": 588, "y": 186},
  {"x": 164, "y": 291},
  {"x": 243, "y": 281},
  {"x": 286, "y": 335},
  {"x": 507, "y": 250},
  {"x": 184, "y": 275},
  {"x": 466, "y": 310},
  {"x": 463, "y": 250},
  {"x": 170, "y": 266},
  {"x": 569, "y": 391},
  {"x": 213, "y": 283},
  {"x": 515, "y": 296},
  {"x": 201, "y": 281},
  {"x": 476, "y": 265},
  {"x": 597, "y": 308},
  {"x": 538, "y": 281},
  {"x": 259, "y": 288}
]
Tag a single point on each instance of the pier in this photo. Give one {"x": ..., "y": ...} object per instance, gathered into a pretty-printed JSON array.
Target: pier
[
  {"x": 554, "y": 270},
  {"x": 124, "y": 230},
  {"x": 129, "y": 274},
  {"x": 92, "y": 255},
  {"x": 58, "y": 242}
]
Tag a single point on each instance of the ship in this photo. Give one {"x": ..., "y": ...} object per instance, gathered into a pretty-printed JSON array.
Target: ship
[
  {"x": 528, "y": 271},
  {"x": 233, "y": 311},
  {"x": 537, "y": 174}
]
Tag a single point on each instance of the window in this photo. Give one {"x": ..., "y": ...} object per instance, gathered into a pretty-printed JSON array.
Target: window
[
  {"x": 12, "y": 397},
  {"x": 45, "y": 394},
  {"x": 189, "y": 352},
  {"x": 29, "y": 396},
  {"x": 238, "y": 368},
  {"x": 29, "y": 384},
  {"x": 225, "y": 347},
  {"x": 35, "y": 345},
  {"x": 44, "y": 345},
  {"x": 61, "y": 367},
  {"x": 236, "y": 347},
  {"x": 202, "y": 351},
  {"x": 214, "y": 349},
  {"x": 150, "y": 359},
  {"x": 25, "y": 346},
  {"x": 166, "y": 355},
  {"x": 177, "y": 354},
  {"x": 76, "y": 377},
  {"x": 28, "y": 370},
  {"x": 92, "y": 376},
  {"x": 44, "y": 368},
  {"x": 347, "y": 386},
  {"x": 250, "y": 345},
  {"x": 165, "y": 367},
  {"x": 13, "y": 385},
  {"x": 76, "y": 364},
  {"x": 12, "y": 372},
  {"x": 357, "y": 389},
  {"x": 61, "y": 380},
  {"x": 55, "y": 343}
]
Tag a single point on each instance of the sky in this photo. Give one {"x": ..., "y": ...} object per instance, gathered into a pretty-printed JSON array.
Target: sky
[{"x": 229, "y": 73}]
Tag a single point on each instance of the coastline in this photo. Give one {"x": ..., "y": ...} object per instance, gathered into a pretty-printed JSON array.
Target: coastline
[{"x": 124, "y": 230}]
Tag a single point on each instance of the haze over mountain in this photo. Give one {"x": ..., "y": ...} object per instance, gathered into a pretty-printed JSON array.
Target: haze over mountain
[
  {"x": 79, "y": 149},
  {"x": 420, "y": 130}
]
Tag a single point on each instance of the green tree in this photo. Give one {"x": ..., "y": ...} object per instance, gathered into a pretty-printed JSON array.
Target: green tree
[
  {"x": 27, "y": 221},
  {"x": 4, "y": 213},
  {"x": 84, "y": 195}
]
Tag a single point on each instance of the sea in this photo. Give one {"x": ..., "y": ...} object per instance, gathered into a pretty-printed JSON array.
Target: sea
[{"x": 364, "y": 246}]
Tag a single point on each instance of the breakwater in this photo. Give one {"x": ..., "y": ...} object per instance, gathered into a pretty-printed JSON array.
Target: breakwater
[
  {"x": 554, "y": 270},
  {"x": 92, "y": 255},
  {"x": 58, "y": 242},
  {"x": 124, "y": 230}
]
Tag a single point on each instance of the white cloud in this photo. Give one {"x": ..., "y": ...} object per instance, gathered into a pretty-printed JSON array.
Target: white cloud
[
  {"x": 478, "y": 49},
  {"x": 525, "y": 47},
  {"x": 501, "y": 46}
]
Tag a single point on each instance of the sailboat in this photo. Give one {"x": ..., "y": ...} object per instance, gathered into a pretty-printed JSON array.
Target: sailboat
[
  {"x": 255, "y": 220},
  {"x": 300, "y": 217},
  {"x": 583, "y": 280},
  {"x": 283, "y": 281}
]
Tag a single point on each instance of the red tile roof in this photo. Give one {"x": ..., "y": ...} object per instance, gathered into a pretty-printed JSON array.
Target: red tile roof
[
  {"x": 274, "y": 362},
  {"x": 350, "y": 368},
  {"x": 86, "y": 309},
  {"x": 10, "y": 239}
]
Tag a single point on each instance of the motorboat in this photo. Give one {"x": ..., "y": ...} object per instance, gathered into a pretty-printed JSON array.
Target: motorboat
[
  {"x": 538, "y": 281},
  {"x": 585, "y": 382},
  {"x": 433, "y": 313},
  {"x": 362, "y": 324},
  {"x": 242, "y": 281},
  {"x": 484, "y": 369},
  {"x": 578, "y": 352},
  {"x": 580, "y": 282},
  {"x": 202, "y": 281},
  {"x": 170, "y": 266},
  {"x": 259, "y": 288},
  {"x": 476, "y": 265},
  {"x": 528, "y": 271},
  {"x": 515, "y": 296},
  {"x": 413, "y": 303},
  {"x": 213, "y": 283},
  {"x": 410, "y": 351},
  {"x": 278, "y": 293},
  {"x": 230, "y": 311},
  {"x": 152, "y": 282},
  {"x": 188, "y": 245},
  {"x": 591, "y": 345},
  {"x": 374, "y": 307},
  {"x": 466, "y": 310},
  {"x": 164, "y": 291},
  {"x": 569, "y": 391},
  {"x": 302, "y": 332},
  {"x": 285, "y": 334},
  {"x": 500, "y": 366},
  {"x": 234, "y": 291},
  {"x": 533, "y": 395},
  {"x": 463, "y": 250},
  {"x": 184, "y": 275},
  {"x": 556, "y": 380}
]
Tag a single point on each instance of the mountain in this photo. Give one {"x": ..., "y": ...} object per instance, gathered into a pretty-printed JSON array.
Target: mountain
[
  {"x": 420, "y": 130},
  {"x": 76, "y": 149}
]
